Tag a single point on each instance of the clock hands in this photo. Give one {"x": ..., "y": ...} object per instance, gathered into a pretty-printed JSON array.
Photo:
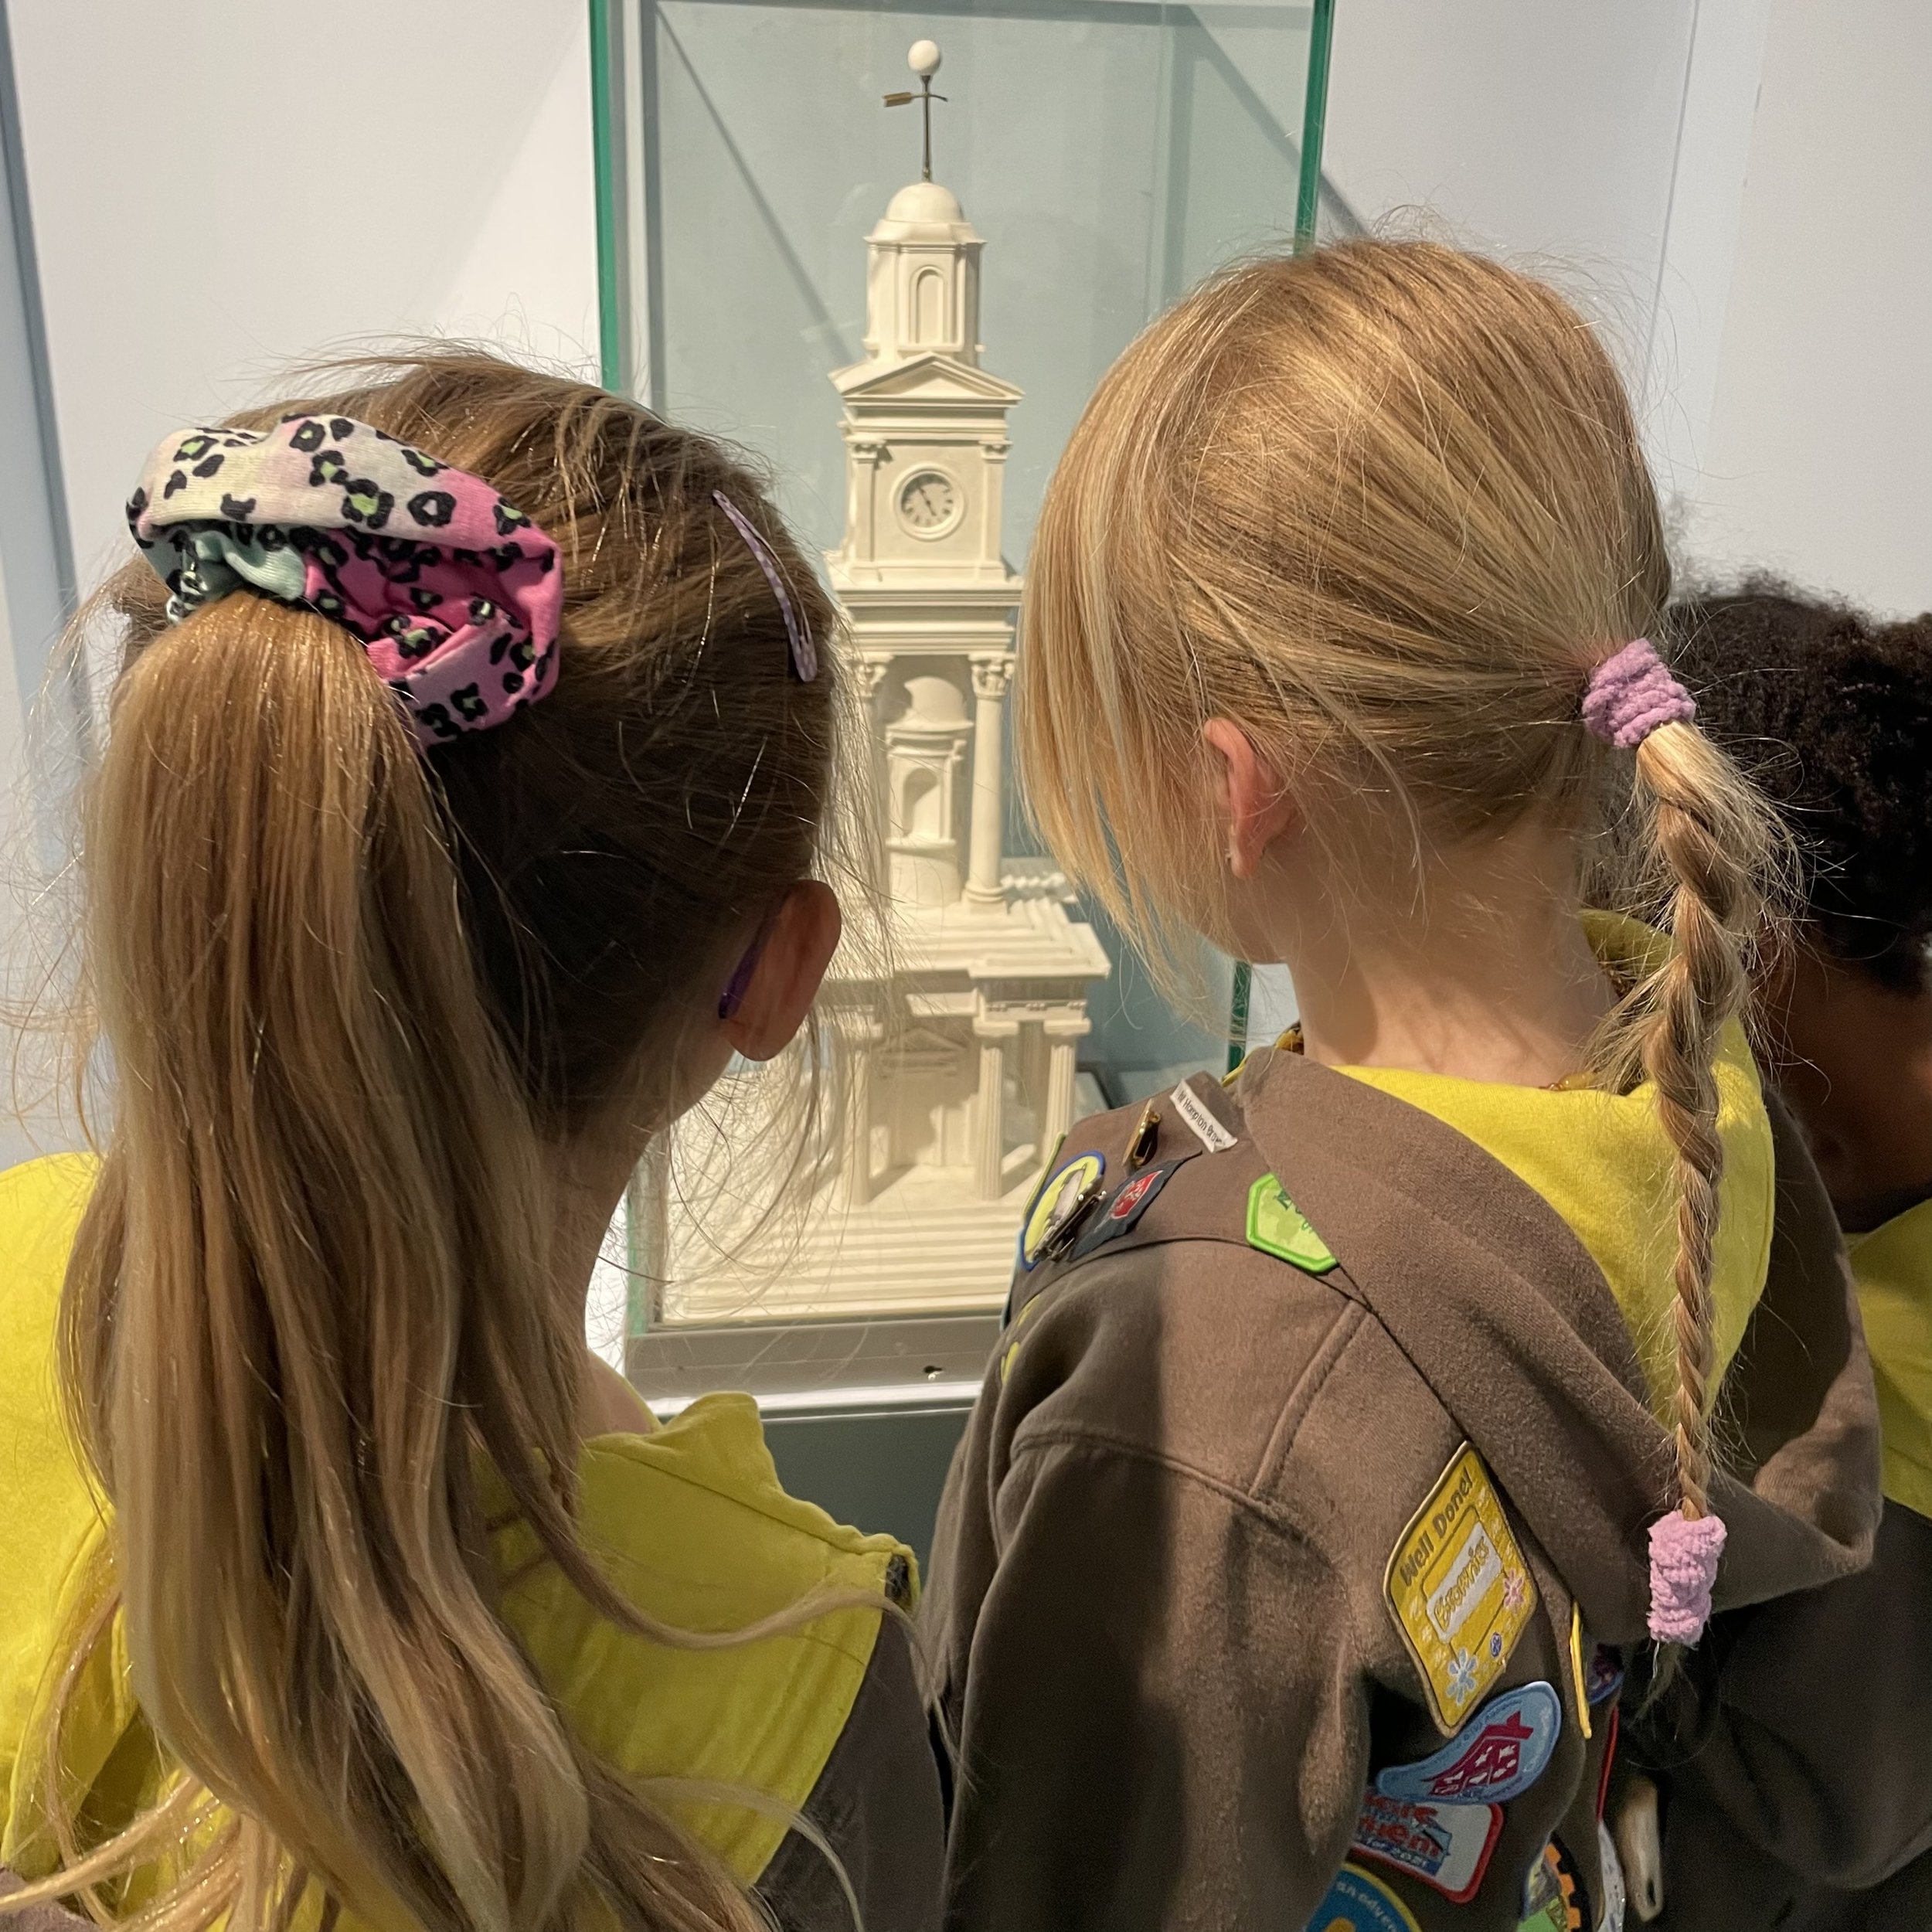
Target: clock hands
[{"x": 927, "y": 501}]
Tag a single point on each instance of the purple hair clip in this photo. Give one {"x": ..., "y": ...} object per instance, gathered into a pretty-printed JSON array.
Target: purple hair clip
[
  {"x": 1630, "y": 695},
  {"x": 740, "y": 983},
  {"x": 805, "y": 655}
]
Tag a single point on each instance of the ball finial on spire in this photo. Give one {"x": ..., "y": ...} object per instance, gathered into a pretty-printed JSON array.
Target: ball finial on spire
[{"x": 923, "y": 59}]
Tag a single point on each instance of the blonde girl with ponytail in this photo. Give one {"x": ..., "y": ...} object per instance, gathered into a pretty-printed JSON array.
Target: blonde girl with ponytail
[
  {"x": 1365, "y": 1426},
  {"x": 470, "y": 783}
]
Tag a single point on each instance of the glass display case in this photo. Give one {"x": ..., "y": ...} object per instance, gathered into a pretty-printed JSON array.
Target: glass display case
[{"x": 891, "y": 251}]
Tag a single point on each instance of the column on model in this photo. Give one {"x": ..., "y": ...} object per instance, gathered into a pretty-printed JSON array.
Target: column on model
[
  {"x": 1064, "y": 1033},
  {"x": 992, "y": 675},
  {"x": 994, "y": 1032},
  {"x": 859, "y": 1035}
]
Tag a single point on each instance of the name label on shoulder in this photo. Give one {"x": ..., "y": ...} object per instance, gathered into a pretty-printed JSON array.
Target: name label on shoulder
[{"x": 1200, "y": 1119}]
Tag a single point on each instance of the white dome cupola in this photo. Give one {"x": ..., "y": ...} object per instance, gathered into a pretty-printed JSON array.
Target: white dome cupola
[{"x": 922, "y": 289}]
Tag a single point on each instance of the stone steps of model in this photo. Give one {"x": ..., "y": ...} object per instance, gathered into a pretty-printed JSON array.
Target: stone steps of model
[{"x": 879, "y": 1259}]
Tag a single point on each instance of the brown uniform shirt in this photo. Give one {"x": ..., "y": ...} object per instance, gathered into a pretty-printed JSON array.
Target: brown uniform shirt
[
  {"x": 1213, "y": 1511},
  {"x": 1797, "y": 1785}
]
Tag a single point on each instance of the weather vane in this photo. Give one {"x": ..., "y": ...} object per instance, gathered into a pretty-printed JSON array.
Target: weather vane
[{"x": 923, "y": 59}]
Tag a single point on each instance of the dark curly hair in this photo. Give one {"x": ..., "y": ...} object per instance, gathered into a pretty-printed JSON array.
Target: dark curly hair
[{"x": 1833, "y": 713}]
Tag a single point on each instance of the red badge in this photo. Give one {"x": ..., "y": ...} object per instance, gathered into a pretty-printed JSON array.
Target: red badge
[
  {"x": 1130, "y": 1200},
  {"x": 1447, "y": 1846}
]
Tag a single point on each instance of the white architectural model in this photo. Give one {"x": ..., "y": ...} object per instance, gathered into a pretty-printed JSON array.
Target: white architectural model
[{"x": 959, "y": 1077}]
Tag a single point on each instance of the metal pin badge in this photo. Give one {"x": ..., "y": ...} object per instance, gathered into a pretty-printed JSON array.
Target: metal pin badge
[{"x": 1147, "y": 1133}]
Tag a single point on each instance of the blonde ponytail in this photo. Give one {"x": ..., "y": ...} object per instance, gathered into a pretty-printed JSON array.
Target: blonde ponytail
[
  {"x": 357, "y": 998},
  {"x": 295, "y": 1019}
]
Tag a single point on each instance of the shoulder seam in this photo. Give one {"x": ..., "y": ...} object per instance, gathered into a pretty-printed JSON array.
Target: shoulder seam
[
  {"x": 1302, "y": 1398},
  {"x": 1082, "y": 1436},
  {"x": 1289, "y": 1529}
]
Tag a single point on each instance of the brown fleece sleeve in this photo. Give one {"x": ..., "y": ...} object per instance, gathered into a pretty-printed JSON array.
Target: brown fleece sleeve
[
  {"x": 1819, "y": 1751},
  {"x": 877, "y": 1804},
  {"x": 1162, "y": 1725}
]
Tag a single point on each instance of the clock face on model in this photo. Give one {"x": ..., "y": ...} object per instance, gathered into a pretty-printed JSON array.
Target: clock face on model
[{"x": 930, "y": 503}]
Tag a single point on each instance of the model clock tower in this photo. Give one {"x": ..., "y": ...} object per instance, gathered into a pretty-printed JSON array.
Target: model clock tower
[
  {"x": 957, "y": 1075},
  {"x": 921, "y": 573},
  {"x": 960, "y": 1073}
]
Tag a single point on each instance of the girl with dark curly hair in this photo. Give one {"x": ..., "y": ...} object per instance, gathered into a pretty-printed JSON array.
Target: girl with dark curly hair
[{"x": 1833, "y": 712}]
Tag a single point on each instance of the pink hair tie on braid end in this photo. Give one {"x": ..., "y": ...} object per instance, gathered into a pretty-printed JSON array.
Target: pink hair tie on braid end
[
  {"x": 1684, "y": 1552},
  {"x": 1630, "y": 695}
]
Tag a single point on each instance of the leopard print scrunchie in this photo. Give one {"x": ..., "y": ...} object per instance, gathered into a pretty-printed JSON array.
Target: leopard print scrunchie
[{"x": 453, "y": 594}]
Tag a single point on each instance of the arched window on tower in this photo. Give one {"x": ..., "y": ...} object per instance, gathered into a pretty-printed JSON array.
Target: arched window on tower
[{"x": 929, "y": 307}]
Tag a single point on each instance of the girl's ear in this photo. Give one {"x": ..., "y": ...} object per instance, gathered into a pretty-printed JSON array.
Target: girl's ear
[
  {"x": 1256, "y": 807},
  {"x": 785, "y": 980}
]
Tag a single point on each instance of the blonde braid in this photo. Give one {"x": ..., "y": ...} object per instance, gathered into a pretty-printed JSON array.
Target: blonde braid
[{"x": 1713, "y": 843}]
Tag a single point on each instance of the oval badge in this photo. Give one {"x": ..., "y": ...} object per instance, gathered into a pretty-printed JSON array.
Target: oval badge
[
  {"x": 1357, "y": 1901},
  {"x": 1500, "y": 1752},
  {"x": 1058, "y": 1202}
]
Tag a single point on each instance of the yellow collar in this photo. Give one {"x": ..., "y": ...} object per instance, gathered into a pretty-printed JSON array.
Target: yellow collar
[
  {"x": 1893, "y": 1265},
  {"x": 1604, "y": 1162},
  {"x": 690, "y": 1523}
]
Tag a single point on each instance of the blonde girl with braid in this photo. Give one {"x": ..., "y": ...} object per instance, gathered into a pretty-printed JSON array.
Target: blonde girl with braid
[
  {"x": 1364, "y": 1426},
  {"x": 468, "y": 798}
]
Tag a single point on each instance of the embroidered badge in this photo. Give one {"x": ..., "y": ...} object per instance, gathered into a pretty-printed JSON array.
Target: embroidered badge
[
  {"x": 1499, "y": 1753},
  {"x": 1357, "y": 1901},
  {"x": 1553, "y": 1898},
  {"x": 1458, "y": 1588},
  {"x": 1049, "y": 1173},
  {"x": 1064, "y": 1198},
  {"x": 1276, "y": 1226},
  {"x": 1200, "y": 1118},
  {"x": 1445, "y": 1845},
  {"x": 1604, "y": 1676},
  {"x": 1130, "y": 1201}
]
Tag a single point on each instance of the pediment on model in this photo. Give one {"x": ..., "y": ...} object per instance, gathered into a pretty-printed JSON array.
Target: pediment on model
[{"x": 924, "y": 379}]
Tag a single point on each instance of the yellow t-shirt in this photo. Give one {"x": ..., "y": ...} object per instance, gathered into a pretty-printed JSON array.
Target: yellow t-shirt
[
  {"x": 1603, "y": 1161},
  {"x": 1893, "y": 1267},
  {"x": 690, "y": 1523}
]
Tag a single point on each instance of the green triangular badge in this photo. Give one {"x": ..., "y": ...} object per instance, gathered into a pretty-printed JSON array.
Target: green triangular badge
[{"x": 1276, "y": 1226}]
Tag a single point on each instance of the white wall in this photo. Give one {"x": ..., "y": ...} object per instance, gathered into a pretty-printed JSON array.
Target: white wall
[
  {"x": 221, "y": 187},
  {"x": 1741, "y": 192},
  {"x": 1818, "y": 462},
  {"x": 1536, "y": 127}
]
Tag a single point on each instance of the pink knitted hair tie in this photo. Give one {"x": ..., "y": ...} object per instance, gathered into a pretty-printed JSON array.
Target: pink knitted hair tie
[
  {"x": 1684, "y": 1552},
  {"x": 1630, "y": 695}
]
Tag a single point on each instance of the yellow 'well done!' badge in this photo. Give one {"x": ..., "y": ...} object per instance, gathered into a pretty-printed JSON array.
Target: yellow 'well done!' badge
[{"x": 1459, "y": 1589}]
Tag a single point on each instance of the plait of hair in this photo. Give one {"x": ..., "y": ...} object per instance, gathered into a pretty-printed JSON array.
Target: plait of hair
[{"x": 1713, "y": 844}]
